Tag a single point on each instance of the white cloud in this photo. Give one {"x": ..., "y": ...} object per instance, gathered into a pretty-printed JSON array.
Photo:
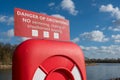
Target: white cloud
[
  {"x": 117, "y": 41},
  {"x": 10, "y": 21},
  {"x": 114, "y": 11},
  {"x": 2, "y": 18},
  {"x": 7, "y": 36},
  {"x": 104, "y": 28},
  {"x": 10, "y": 33},
  {"x": 116, "y": 38},
  {"x": 24, "y": 38},
  {"x": 51, "y": 4},
  {"x": 108, "y": 8},
  {"x": 114, "y": 28},
  {"x": 97, "y": 26},
  {"x": 75, "y": 40},
  {"x": 69, "y": 6},
  {"x": 111, "y": 51},
  {"x": 6, "y": 19},
  {"x": 89, "y": 48},
  {"x": 58, "y": 16},
  {"x": 96, "y": 35}
]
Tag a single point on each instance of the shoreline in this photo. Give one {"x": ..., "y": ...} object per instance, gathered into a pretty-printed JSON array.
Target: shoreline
[
  {"x": 91, "y": 64},
  {"x": 2, "y": 67},
  {"x": 115, "y": 79}
]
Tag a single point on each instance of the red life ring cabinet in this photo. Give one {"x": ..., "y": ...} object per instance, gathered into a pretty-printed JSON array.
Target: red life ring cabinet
[{"x": 48, "y": 60}]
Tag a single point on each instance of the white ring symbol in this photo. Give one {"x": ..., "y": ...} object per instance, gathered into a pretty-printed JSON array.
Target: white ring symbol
[{"x": 40, "y": 75}]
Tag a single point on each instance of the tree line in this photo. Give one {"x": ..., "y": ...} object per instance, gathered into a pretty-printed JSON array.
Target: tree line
[
  {"x": 6, "y": 52},
  {"x": 105, "y": 60}
]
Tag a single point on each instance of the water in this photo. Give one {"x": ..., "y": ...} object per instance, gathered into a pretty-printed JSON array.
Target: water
[
  {"x": 5, "y": 75},
  {"x": 102, "y": 71}
]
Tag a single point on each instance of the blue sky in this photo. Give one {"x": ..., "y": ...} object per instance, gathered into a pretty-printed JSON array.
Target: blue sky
[{"x": 94, "y": 24}]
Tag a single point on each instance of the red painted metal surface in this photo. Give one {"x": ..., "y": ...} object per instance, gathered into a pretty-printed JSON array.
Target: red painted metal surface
[
  {"x": 55, "y": 58},
  {"x": 36, "y": 25}
]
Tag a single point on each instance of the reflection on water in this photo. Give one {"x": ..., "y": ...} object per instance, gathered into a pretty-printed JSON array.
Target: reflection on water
[
  {"x": 102, "y": 71},
  {"x": 5, "y": 75}
]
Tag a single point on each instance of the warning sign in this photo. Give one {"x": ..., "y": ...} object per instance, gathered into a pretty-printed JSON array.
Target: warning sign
[{"x": 36, "y": 25}]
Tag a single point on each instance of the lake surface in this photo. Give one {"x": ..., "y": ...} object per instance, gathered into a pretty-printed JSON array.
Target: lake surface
[
  {"x": 102, "y": 71},
  {"x": 5, "y": 74}
]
